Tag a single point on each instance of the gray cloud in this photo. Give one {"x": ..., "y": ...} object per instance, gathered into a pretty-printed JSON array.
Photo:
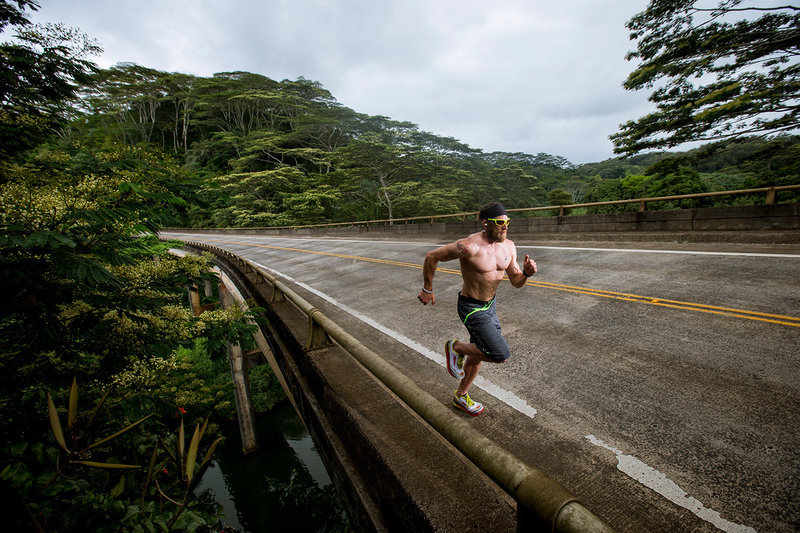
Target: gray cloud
[{"x": 510, "y": 76}]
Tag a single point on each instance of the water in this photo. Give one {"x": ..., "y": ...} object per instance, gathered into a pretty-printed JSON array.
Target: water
[{"x": 284, "y": 486}]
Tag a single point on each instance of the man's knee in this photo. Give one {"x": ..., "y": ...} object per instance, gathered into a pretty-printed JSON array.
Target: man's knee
[{"x": 500, "y": 356}]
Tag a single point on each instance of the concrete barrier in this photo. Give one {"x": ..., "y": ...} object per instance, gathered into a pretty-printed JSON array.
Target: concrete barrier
[{"x": 760, "y": 224}]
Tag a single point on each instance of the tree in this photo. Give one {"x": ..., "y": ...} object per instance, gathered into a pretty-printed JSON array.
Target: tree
[
  {"x": 604, "y": 190},
  {"x": 559, "y": 197},
  {"x": 392, "y": 173},
  {"x": 132, "y": 94},
  {"x": 41, "y": 72},
  {"x": 721, "y": 72},
  {"x": 514, "y": 185},
  {"x": 576, "y": 188},
  {"x": 256, "y": 198}
]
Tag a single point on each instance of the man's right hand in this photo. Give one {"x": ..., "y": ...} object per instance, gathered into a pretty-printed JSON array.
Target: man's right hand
[{"x": 426, "y": 297}]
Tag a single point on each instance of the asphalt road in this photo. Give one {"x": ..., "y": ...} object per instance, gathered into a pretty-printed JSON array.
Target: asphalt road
[{"x": 660, "y": 386}]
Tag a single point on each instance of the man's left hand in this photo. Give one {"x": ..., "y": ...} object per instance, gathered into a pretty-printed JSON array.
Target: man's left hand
[{"x": 529, "y": 266}]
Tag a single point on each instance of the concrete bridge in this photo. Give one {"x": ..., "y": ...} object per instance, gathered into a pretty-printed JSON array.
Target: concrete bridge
[{"x": 653, "y": 384}]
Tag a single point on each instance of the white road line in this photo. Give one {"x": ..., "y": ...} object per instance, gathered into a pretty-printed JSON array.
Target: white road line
[
  {"x": 681, "y": 252},
  {"x": 521, "y": 246},
  {"x": 660, "y": 483},
  {"x": 507, "y": 397}
]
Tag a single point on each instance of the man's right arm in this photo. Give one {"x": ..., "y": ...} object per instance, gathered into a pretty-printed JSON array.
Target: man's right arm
[{"x": 447, "y": 252}]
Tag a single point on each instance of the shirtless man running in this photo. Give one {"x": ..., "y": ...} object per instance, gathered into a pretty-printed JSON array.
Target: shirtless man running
[{"x": 484, "y": 258}]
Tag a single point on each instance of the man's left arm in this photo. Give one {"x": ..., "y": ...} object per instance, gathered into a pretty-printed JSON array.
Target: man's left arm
[{"x": 516, "y": 276}]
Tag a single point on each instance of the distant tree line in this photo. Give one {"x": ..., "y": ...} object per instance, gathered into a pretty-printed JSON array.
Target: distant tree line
[{"x": 253, "y": 151}]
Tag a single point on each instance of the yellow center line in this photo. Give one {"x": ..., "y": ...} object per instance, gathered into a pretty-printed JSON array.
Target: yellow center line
[{"x": 675, "y": 304}]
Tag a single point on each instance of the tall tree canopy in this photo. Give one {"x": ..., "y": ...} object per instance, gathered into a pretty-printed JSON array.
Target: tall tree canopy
[
  {"x": 718, "y": 72},
  {"x": 39, "y": 74}
]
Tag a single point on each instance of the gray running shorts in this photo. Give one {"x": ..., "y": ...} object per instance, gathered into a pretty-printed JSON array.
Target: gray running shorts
[{"x": 481, "y": 321}]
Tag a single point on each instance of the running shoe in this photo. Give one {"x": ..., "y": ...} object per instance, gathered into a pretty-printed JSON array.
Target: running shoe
[
  {"x": 465, "y": 403},
  {"x": 455, "y": 361}
]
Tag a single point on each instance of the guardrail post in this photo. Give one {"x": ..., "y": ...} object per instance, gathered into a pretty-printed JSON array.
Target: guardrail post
[
  {"x": 772, "y": 195},
  {"x": 277, "y": 295},
  {"x": 642, "y": 206},
  {"x": 317, "y": 336}
]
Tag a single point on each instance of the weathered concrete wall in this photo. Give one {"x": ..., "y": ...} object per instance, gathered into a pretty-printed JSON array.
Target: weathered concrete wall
[{"x": 768, "y": 224}]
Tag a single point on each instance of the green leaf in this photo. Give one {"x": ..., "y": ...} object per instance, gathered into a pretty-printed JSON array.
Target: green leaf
[
  {"x": 10, "y": 471},
  {"x": 188, "y": 521},
  {"x": 47, "y": 238},
  {"x": 55, "y": 423},
  {"x": 181, "y": 443},
  {"x": 130, "y": 187},
  {"x": 89, "y": 271},
  {"x": 73, "y": 403},
  {"x": 191, "y": 456},
  {"x": 118, "y": 488},
  {"x": 204, "y": 465},
  {"x": 210, "y": 451},
  {"x": 131, "y": 512},
  {"x": 109, "y": 466},
  {"x": 169, "y": 452},
  {"x": 97, "y": 408},
  {"x": 118, "y": 433},
  {"x": 18, "y": 448},
  {"x": 203, "y": 429},
  {"x": 151, "y": 466}
]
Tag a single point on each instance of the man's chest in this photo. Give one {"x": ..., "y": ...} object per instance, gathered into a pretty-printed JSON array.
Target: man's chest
[{"x": 491, "y": 259}]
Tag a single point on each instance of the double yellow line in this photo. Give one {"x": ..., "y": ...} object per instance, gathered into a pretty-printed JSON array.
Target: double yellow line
[{"x": 675, "y": 304}]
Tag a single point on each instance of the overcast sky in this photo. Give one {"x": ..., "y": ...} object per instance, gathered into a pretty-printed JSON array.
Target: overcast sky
[{"x": 507, "y": 75}]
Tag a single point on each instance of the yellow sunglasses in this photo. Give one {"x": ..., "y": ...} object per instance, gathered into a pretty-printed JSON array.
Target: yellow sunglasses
[{"x": 500, "y": 221}]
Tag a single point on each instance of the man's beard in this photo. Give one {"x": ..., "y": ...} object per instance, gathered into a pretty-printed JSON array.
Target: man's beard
[{"x": 496, "y": 235}]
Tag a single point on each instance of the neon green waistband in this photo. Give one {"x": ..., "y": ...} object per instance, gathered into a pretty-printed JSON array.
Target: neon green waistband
[{"x": 484, "y": 308}]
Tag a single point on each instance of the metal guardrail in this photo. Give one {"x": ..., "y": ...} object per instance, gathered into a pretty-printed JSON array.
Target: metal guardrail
[
  {"x": 771, "y": 198},
  {"x": 542, "y": 503}
]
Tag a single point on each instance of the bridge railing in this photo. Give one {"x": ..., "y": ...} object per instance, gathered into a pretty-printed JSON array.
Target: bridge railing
[
  {"x": 542, "y": 503},
  {"x": 771, "y": 195}
]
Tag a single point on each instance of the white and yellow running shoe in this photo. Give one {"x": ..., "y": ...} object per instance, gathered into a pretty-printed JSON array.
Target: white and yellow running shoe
[
  {"x": 466, "y": 403},
  {"x": 455, "y": 361}
]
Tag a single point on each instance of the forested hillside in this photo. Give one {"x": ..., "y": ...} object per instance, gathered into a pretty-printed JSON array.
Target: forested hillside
[{"x": 247, "y": 150}]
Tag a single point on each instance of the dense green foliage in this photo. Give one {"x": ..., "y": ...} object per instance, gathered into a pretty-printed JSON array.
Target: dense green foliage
[
  {"x": 719, "y": 72},
  {"x": 90, "y": 297},
  {"x": 257, "y": 152},
  {"x": 94, "y": 298}
]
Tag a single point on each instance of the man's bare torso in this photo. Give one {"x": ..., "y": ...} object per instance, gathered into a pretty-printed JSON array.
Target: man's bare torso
[{"x": 483, "y": 264}]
